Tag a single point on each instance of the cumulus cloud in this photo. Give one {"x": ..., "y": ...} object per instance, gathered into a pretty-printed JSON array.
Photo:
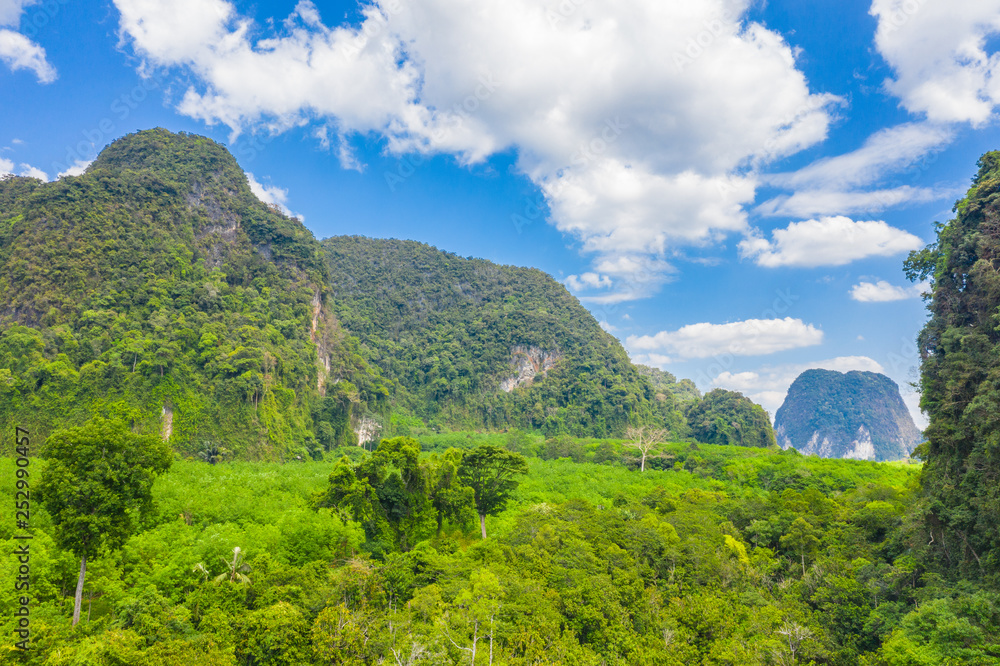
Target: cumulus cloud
[
  {"x": 829, "y": 241},
  {"x": 768, "y": 385},
  {"x": 882, "y": 291},
  {"x": 7, "y": 167},
  {"x": 752, "y": 337},
  {"x": 587, "y": 281},
  {"x": 76, "y": 169},
  {"x": 19, "y": 52},
  {"x": 938, "y": 51},
  {"x": 634, "y": 138},
  {"x": 272, "y": 195}
]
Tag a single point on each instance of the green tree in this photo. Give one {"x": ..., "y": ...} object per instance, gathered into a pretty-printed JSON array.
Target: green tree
[
  {"x": 447, "y": 495},
  {"x": 729, "y": 417},
  {"x": 491, "y": 473},
  {"x": 96, "y": 484},
  {"x": 801, "y": 539}
]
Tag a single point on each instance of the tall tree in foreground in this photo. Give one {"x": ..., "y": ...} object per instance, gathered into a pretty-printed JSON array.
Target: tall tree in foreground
[
  {"x": 96, "y": 484},
  {"x": 960, "y": 380},
  {"x": 491, "y": 473}
]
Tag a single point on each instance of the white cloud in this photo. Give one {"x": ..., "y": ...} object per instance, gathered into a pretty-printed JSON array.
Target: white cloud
[
  {"x": 653, "y": 360},
  {"x": 911, "y": 399},
  {"x": 889, "y": 150},
  {"x": 882, "y": 291},
  {"x": 829, "y": 241},
  {"x": 33, "y": 172},
  {"x": 271, "y": 194},
  {"x": 588, "y": 281},
  {"x": 11, "y": 10},
  {"x": 26, "y": 170},
  {"x": 19, "y": 52},
  {"x": 768, "y": 385},
  {"x": 633, "y": 136},
  {"x": 820, "y": 202},
  {"x": 608, "y": 328},
  {"x": 938, "y": 52},
  {"x": 77, "y": 169},
  {"x": 752, "y": 337}
]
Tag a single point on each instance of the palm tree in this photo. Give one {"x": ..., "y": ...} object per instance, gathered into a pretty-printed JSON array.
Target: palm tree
[{"x": 235, "y": 569}]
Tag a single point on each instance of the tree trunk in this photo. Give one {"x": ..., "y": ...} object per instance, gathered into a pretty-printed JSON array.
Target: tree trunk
[
  {"x": 79, "y": 591},
  {"x": 482, "y": 524},
  {"x": 642, "y": 467}
]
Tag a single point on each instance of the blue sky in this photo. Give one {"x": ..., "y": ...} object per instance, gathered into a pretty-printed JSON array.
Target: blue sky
[{"x": 730, "y": 186}]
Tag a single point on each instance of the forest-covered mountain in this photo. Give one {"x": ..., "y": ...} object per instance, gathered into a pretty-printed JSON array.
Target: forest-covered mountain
[
  {"x": 474, "y": 344},
  {"x": 858, "y": 415},
  {"x": 157, "y": 287}
]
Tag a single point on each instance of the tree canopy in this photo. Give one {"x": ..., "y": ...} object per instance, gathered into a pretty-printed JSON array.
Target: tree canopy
[{"x": 97, "y": 485}]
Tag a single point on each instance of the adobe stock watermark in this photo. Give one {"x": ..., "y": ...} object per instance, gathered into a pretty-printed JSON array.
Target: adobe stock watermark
[
  {"x": 40, "y": 17},
  {"x": 535, "y": 209},
  {"x": 564, "y": 10},
  {"x": 461, "y": 112},
  {"x": 586, "y": 155},
  {"x": 720, "y": 363},
  {"x": 373, "y": 25},
  {"x": 697, "y": 45},
  {"x": 900, "y": 15}
]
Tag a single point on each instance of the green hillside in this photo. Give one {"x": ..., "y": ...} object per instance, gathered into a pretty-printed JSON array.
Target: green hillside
[
  {"x": 451, "y": 330},
  {"x": 156, "y": 286},
  {"x": 718, "y": 561}
]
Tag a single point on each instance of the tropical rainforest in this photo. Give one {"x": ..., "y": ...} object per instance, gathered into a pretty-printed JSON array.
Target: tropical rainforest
[{"x": 251, "y": 447}]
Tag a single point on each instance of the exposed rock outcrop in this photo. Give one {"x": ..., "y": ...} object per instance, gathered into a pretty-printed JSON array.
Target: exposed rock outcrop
[{"x": 528, "y": 363}]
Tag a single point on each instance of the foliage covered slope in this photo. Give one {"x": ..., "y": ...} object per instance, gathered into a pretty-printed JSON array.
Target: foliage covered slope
[
  {"x": 846, "y": 415},
  {"x": 736, "y": 556},
  {"x": 450, "y": 330},
  {"x": 729, "y": 417},
  {"x": 158, "y": 287},
  {"x": 960, "y": 379}
]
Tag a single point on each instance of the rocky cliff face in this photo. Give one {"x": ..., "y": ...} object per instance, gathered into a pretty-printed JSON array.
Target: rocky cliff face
[
  {"x": 857, "y": 415},
  {"x": 528, "y": 362}
]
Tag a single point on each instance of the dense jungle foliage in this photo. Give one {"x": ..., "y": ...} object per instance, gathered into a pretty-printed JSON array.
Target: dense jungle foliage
[
  {"x": 157, "y": 287},
  {"x": 728, "y": 555},
  {"x": 445, "y": 328},
  {"x": 960, "y": 381}
]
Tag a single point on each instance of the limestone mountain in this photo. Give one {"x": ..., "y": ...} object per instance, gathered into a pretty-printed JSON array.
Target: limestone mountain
[
  {"x": 858, "y": 415},
  {"x": 158, "y": 288},
  {"x": 477, "y": 345}
]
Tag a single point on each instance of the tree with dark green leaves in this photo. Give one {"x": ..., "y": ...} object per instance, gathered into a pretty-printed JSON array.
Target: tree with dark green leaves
[
  {"x": 729, "y": 417},
  {"x": 96, "y": 484},
  {"x": 801, "y": 539},
  {"x": 960, "y": 381},
  {"x": 492, "y": 474}
]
